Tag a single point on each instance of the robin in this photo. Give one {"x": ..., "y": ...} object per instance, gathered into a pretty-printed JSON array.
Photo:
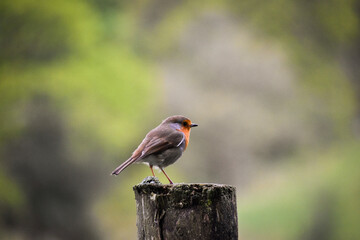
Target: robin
[{"x": 162, "y": 146}]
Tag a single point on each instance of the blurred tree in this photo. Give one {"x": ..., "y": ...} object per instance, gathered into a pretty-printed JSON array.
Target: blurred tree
[
  {"x": 72, "y": 97},
  {"x": 57, "y": 190}
]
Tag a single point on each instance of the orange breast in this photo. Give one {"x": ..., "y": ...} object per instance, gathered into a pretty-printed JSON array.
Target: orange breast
[{"x": 186, "y": 131}]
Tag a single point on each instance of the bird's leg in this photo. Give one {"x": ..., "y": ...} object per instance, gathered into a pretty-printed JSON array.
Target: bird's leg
[
  {"x": 151, "y": 167},
  {"x": 166, "y": 175}
]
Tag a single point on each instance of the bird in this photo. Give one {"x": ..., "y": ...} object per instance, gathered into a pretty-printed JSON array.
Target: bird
[{"x": 162, "y": 146}]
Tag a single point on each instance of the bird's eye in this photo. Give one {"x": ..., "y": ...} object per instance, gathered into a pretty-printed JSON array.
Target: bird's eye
[{"x": 185, "y": 124}]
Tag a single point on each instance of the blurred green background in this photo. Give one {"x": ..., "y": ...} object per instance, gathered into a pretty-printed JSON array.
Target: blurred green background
[{"x": 273, "y": 84}]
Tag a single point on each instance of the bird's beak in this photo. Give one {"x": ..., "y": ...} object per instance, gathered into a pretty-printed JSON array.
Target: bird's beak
[{"x": 193, "y": 125}]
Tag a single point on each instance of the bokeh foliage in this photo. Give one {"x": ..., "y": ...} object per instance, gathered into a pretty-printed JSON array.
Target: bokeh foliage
[
  {"x": 309, "y": 195},
  {"x": 71, "y": 98},
  {"x": 79, "y": 87}
]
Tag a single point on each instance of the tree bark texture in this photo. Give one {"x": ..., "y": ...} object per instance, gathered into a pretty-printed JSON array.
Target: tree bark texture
[{"x": 186, "y": 211}]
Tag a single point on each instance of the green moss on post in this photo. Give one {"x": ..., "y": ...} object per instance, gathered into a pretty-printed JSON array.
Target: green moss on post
[{"x": 186, "y": 211}]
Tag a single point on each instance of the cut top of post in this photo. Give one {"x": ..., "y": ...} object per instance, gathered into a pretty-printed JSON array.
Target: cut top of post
[{"x": 183, "y": 194}]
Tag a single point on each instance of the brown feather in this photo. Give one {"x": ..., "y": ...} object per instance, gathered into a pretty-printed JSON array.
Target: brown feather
[{"x": 154, "y": 142}]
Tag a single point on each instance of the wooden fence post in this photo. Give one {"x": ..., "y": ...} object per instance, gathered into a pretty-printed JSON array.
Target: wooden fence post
[{"x": 186, "y": 211}]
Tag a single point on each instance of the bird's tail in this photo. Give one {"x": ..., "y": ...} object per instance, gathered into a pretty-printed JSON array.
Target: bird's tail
[{"x": 124, "y": 165}]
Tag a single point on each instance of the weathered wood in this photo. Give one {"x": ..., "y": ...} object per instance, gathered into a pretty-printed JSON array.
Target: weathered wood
[{"x": 186, "y": 211}]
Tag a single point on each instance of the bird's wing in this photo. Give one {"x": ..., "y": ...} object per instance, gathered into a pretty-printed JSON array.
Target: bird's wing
[
  {"x": 154, "y": 142},
  {"x": 160, "y": 143}
]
